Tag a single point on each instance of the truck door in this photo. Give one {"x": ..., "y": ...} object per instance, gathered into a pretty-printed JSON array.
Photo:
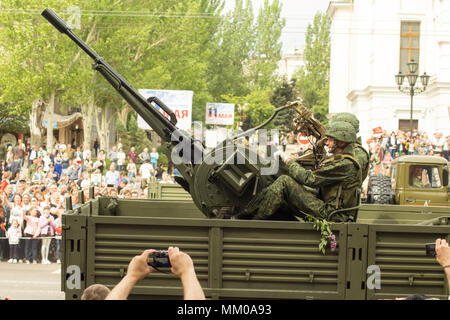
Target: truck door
[{"x": 426, "y": 186}]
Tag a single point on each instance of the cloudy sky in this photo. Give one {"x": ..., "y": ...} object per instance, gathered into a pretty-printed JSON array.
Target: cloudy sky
[{"x": 298, "y": 14}]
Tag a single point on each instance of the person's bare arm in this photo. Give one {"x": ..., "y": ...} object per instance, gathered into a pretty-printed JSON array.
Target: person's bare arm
[
  {"x": 183, "y": 267},
  {"x": 443, "y": 256},
  {"x": 137, "y": 269}
]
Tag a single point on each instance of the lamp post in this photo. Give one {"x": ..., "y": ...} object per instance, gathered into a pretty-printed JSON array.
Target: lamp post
[{"x": 412, "y": 89}]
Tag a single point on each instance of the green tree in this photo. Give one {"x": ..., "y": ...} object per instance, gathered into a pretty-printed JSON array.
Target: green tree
[
  {"x": 267, "y": 48},
  {"x": 254, "y": 108},
  {"x": 233, "y": 44},
  {"x": 35, "y": 62},
  {"x": 313, "y": 78},
  {"x": 282, "y": 94}
]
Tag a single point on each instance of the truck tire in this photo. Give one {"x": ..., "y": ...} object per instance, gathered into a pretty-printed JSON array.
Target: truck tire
[{"x": 380, "y": 190}]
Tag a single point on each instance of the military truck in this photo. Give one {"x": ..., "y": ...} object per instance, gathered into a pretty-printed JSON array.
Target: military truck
[
  {"x": 382, "y": 256},
  {"x": 239, "y": 258},
  {"x": 414, "y": 181}
]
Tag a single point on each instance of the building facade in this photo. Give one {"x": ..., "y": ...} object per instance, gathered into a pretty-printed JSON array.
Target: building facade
[
  {"x": 291, "y": 62},
  {"x": 371, "y": 41}
]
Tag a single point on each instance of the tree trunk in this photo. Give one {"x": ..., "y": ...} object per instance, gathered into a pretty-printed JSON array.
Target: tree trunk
[
  {"x": 123, "y": 115},
  {"x": 50, "y": 112},
  {"x": 87, "y": 111},
  {"x": 37, "y": 112},
  {"x": 103, "y": 121}
]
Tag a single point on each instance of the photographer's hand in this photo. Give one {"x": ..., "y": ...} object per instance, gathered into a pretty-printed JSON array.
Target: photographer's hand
[
  {"x": 443, "y": 252},
  {"x": 443, "y": 257},
  {"x": 183, "y": 267},
  {"x": 137, "y": 270}
]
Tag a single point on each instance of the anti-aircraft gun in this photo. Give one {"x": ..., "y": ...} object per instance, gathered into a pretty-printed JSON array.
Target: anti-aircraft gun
[{"x": 224, "y": 180}]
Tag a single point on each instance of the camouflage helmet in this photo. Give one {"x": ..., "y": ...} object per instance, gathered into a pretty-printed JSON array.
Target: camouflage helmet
[
  {"x": 347, "y": 117},
  {"x": 341, "y": 131}
]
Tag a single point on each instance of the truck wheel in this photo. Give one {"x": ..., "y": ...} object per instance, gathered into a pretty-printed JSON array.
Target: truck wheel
[{"x": 379, "y": 190}]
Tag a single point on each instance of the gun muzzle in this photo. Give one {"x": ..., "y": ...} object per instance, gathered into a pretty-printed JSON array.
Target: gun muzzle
[{"x": 55, "y": 20}]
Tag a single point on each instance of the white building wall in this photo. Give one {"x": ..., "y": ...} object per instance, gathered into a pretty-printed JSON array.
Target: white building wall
[
  {"x": 365, "y": 55},
  {"x": 291, "y": 62}
]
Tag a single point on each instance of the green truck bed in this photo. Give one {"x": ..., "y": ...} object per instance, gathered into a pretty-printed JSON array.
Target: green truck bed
[{"x": 249, "y": 259}]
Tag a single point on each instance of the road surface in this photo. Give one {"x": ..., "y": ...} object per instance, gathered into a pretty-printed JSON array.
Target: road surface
[{"x": 30, "y": 281}]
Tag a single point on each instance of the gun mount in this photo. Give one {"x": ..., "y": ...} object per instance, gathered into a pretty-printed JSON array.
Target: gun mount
[{"x": 222, "y": 181}]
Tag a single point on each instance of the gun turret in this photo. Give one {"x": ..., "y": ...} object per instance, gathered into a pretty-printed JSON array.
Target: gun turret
[{"x": 222, "y": 181}]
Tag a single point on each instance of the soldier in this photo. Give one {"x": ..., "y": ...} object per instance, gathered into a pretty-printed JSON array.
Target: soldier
[
  {"x": 338, "y": 180},
  {"x": 361, "y": 155}
]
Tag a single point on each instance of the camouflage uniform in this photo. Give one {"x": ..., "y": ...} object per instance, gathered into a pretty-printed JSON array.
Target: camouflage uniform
[
  {"x": 338, "y": 180},
  {"x": 361, "y": 155}
]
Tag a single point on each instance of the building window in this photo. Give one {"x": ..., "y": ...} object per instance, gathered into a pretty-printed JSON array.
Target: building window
[
  {"x": 409, "y": 44},
  {"x": 403, "y": 124}
]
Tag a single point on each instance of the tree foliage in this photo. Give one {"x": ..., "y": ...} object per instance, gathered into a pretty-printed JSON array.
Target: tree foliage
[
  {"x": 161, "y": 44},
  {"x": 253, "y": 109},
  {"x": 313, "y": 78},
  {"x": 284, "y": 93}
]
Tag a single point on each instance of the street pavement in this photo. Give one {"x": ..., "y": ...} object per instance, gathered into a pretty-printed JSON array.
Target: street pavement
[{"x": 30, "y": 281}]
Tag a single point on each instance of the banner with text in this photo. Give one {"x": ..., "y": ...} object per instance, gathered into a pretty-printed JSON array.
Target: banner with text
[
  {"x": 220, "y": 114},
  {"x": 179, "y": 101}
]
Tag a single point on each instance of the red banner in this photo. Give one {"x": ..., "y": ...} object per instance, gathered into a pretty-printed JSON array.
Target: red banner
[{"x": 377, "y": 130}]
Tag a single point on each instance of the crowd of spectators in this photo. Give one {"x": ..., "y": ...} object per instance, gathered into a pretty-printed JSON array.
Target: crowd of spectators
[
  {"x": 35, "y": 183},
  {"x": 385, "y": 147}
]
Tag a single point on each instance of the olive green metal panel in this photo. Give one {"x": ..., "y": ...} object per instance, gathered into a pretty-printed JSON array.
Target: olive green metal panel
[
  {"x": 174, "y": 192},
  {"x": 396, "y": 214},
  {"x": 267, "y": 260},
  {"x": 233, "y": 259},
  {"x": 151, "y": 208},
  {"x": 114, "y": 241},
  {"x": 73, "y": 252},
  {"x": 399, "y": 252},
  {"x": 356, "y": 264}
]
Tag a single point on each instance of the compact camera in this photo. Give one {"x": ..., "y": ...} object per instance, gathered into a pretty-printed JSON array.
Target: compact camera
[
  {"x": 430, "y": 249},
  {"x": 159, "y": 259}
]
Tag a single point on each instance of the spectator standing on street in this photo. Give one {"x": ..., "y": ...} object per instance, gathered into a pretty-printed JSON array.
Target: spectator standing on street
[
  {"x": 47, "y": 227},
  {"x": 96, "y": 147},
  {"x": 15, "y": 167},
  {"x": 31, "y": 232},
  {"x": 13, "y": 234},
  {"x": 446, "y": 149},
  {"x": 131, "y": 168},
  {"x": 3, "y": 228},
  {"x": 58, "y": 167},
  {"x": 112, "y": 155},
  {"x": 78, "y": 155},
  {"x": 33, "y": 154},
  {"x": 102, "y": 158},
  {"x": 58, "y": 233},
  {"x": 132, "y": 155},
  {"x": 9, "y": 156},
  {"x": 145, "y": 170},
  {"x": 145, "y": 156},
  {"x": 112, "y": 176},
  {"x": 154, "y": 156},
  {"x": 159, "y": 172},
  {"x": 70, "y": 151},
  {"x": 19, "y": 151},
  {"x": 121, "y": 159}
]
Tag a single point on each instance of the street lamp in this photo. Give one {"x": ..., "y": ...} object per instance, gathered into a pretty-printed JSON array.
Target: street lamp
[{"x": 412, "y": 89}]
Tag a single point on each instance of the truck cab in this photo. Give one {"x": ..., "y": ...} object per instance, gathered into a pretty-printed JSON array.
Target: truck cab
[{"x": 420, "y": 181}]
